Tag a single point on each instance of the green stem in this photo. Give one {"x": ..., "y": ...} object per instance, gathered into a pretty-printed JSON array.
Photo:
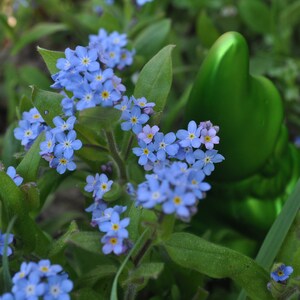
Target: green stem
[
  {"x": 101, "y": 148},
  {"x": 116, "y": 155}
]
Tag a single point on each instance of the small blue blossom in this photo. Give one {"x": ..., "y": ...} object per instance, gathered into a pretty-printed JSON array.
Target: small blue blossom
[
  {"x": 165, "y": 145},
  {"x": 134, "y": 119},
  {"x": 45, "y": 269},
  {"x": 58, "y": 287},
  {"x": 145, "y": 152},
  {"x": 48, "y": 145},
  {"x": 33, "y": 116},
  {"x": 190, "y": 137},
  {"x": 197, "y": 185},
  {"x": 27, "y": 132},
  {"x": 62, "y": 125},
  {"x": 25, "y": 270},
  {"x": 147, "y": 134},
  {"x": 281, "y": 273},
  {"x": 115, "y": 227},
  {"x": 103, "y": 186},
  {"x": 62, "y": 164},
  {"x": 206, "y": 160},
  {"x": 12, "y": 173},
  {"x": 7, "y": 296},
  {"x": 67, "y": 144},
  {"x": 113, "y": 244},
  {"x": 3, "y": 238},
  {"x": 29, "y": 288},
  {"x": 85, "y": 59},
  {"x": 179, "y": 202}
]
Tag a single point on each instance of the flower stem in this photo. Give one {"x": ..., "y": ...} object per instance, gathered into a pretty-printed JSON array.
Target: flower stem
[{"x": 116, "y": 155}]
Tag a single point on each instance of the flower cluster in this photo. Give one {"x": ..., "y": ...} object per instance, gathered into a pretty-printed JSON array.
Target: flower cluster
[
  {"x": 111, "y": 49},
  {"x": 107, "y": 218},
  {"x": 3, "y": 238},
  {"x": 179, "y": 165},
  {"x": 60, "y": 144},
  {"x": 87, "y": 72},
  {"x": 12, "y": 173},
  {"x": 40, "y": 279},
  {"x": 30, "y": 126}
]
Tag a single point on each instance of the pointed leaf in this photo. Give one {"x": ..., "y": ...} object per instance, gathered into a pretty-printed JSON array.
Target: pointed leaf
[
  {"x": 87, "y": 240},
  {"x": 152, "y": 38},
  {"x": 98, "y": 118},
  {"x": 155, "y": 80},
  {"x": 29, "y": 165},
  {"x": 50, "y": 58},
  {"x": 216, "y": 261},
  {"x": 47, "y": 103}
]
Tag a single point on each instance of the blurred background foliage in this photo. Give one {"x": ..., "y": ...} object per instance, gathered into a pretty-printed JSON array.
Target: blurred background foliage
[{"x": 271, "y": 28}]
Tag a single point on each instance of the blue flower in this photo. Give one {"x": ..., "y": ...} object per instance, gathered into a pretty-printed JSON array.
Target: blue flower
[
  {"x": 124, "y": 105},
  {"x": 152, "y": 193},
  {"x": 103, "y": 186},
  {"x": 197, "y": 185},
  {"x": 12, "y": 173},
  {"x": 45, "y": 269},
  {"x": 48, "y": 145},
  {"x": 67, "y": 144},
  {"x": 281, "y": 273},
  {"x": 179, "y": 202},
  {"x": 7, "y": 296},
  {"x": 29, "y": 288},
  {"x": 115, "y": 227},
  {"x": 108, "y": 94},
  {"x": 25, "y": 270},
  {"x": 134, "y": 119},
  {"x": 58, "y": 287},
  {"x": 190, "y": 137},
  {"x": 145, "y": 152},
  {"x": 164, "y": 144},
  {"x": 147, "y": 134},
  {"x": 98, "y": 78},
  {"x": 3, "y": 237},
  {"x": 33, "y": 116},
  {"x": 113, "y": 244},
  {"x": 27, "y": 132},
  {"x": 85, "y": 59},
  {"x": 206, "y": 160},
  {"x": 87, "y": 97},
  {"x": 62, "y": 125},
  {"x": 62, "y": 164}
]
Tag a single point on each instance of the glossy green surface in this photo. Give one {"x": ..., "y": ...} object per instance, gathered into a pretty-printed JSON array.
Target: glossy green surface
[{"x": 247, "y": 108}]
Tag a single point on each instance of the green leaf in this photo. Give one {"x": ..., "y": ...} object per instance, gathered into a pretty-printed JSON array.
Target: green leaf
[
  {"x": 99, "y": 118},
  {"x": 87, "y": 240},
  {"x": 47, "y": 103},
  {"x": 33, "y": 76},
  {"x": 28, "y": 167},
  {"x": 25, "y": 105},
  {"x": 256, "y": 15},
  {"x": 279, "y": 230},
  {"x": 145, "y": 272},
  {"x": 99, "y": 272},
  {"x": 87, "y": 293},
  {"x": 215, "y": 261},
  {"x": 60, "y": 244},
  {"x": 152, "y": 38},
  {"x": 10, "y": 146},
  {"x": 206, "y": 30},
  {"x": 155, "y": 81},
  {"x": 32, "y": 238},
  {"x": 50, "y": 58},
  {"x": 290, "y": 15},
  {"x": 35, "y": 33}
]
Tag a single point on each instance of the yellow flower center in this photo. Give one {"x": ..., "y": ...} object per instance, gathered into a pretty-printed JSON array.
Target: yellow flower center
[
  {"x": 113, "y": 241},
  {"x": 146, "y": 151},
  {"x": 115, "y": 227},
  {"x": 63, "y": 161},
  {"x": 133, "y": 120},
  {"x": 105, "y": 95},
  {"x": 207, "y": 138},
  {"x": 177, "y": 200},
  {"x": 36, "y": 116}
]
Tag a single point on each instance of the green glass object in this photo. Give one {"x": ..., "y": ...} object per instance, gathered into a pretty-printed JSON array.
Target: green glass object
[
  {"x": 247, "y": 108},
  {"x": 261, "y": 167}
]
